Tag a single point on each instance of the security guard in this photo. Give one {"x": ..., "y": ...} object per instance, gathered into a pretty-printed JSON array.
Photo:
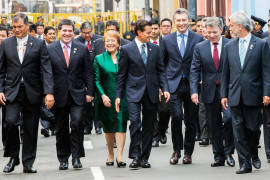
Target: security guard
[
  {"x": 259, "y": 24},
  {"x": 130, "y": 35}
]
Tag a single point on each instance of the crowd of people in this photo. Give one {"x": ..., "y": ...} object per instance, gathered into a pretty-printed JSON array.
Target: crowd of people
[{"x": 213, "y": 77}]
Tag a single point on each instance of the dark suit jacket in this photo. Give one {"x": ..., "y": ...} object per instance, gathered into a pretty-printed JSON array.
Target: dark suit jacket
[
  {"x": 268, "y": 41},
  {"x": 137, "y": 77},
  {"x": 203, "y": 68},
  {"x": 77, "y": 80},
  {"x": 99, "y": 46},
  {"x": 93, "y": 40},
  {"x": 176, "y": 65},
  {"x": 35, "y": 70},
  {"x": 251, "y": 82}
]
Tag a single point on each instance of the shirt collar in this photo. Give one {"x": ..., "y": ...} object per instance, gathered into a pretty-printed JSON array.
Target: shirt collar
[
  {"x": 155, "y": 40},
  {"x": 24, "y": 39},
  {"x": 139, "y": 43},
  {"x": 185, "y": 33},
  {"x": 247, "y": 37},
  {"x": 63, "y": 44},
  {"x": 219, "y": 42}
]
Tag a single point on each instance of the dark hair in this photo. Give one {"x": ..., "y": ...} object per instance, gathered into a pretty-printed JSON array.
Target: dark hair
[
  {"x": 33, "y": 27},
  {"x": 166, "y": 19},
  {"x": 199, "y": 19},
  {"x": 19, "y": 16},
  {"x": 77, "y": 31},
  {"x": 46, "y": 30},
  {"x": 10, "y": 28},
  {"x": 65, "y": 22},
  {"x": 4, "y": 29},
  {"x": 40, "y": 24},
  {"x": 140, "y": 25},
  {"x": 155, "y": 21},
  {"x": 156, "y": 11},
  {"x": 113, "y": 23},
  {"x": 86, "y": 25},
  {"x": 268, "y": 20}
]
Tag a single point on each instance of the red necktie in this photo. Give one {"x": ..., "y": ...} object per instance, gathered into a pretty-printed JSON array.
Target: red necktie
[
  {"x": 216, "y": 58},
  {"x": 88, "y": 45},
  {"x": 66, "y": 55},
  {"x": 155, "y": 42}
]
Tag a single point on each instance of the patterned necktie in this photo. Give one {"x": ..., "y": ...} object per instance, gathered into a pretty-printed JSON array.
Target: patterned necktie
[
  {"x": 215, "y": 55},
  {"x": 143, "y": 54},
  {"x": 66, "y": 54},
  {"x": 88, "y": 45},
  {"x": 242, "y": 52},
  {"x": 182, "y": 45}
]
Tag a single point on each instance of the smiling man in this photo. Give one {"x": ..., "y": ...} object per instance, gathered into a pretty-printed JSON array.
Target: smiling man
[
  {"x": 73, "y": 78},
  {"x": 177, "y": 51},
  {"x": 25, "y": 77}
]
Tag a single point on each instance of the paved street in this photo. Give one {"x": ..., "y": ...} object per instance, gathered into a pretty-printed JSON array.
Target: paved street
[{"x": 95, "y": 168}]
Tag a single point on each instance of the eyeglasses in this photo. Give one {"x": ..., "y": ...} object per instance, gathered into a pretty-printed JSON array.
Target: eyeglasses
[
  {"x": 166, "y": 26},
  {"x": 86, "y": 32}
]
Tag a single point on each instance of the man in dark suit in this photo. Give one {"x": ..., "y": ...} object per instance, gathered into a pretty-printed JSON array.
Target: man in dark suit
[
  {"x": 177, "y": 52},
  {"x": 25, "y": 76},
  {"x": 245, "y": 85},
  {"x": 207, "y": 66},
  {"x": 266, "y": 118},
  {"x": 161, "y": 124},
  {"x": 142, "y": 72},
  {"x": 88, "y": 39},
  {"x": 99, "y": 46},
  {"x": 73, "y": 79}
]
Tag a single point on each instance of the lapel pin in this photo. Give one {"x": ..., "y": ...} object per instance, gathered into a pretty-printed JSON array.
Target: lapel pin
[
  {"x": 251, "y": 47},
  {"x": 150, "y": 49}
]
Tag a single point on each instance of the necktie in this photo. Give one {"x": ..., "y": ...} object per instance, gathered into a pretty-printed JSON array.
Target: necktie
[
  {"x": 143, "y": 54},
  {"x": 39, "y": 37},
  {"x": 66, "y": 54},
  {"x": 88, "y": 45},
  {"x": 155, "y": 42},
  {"x": 215, "y": 55},
  {"x": 242, "y": 51},
  {"x": 182, "y": 45}
]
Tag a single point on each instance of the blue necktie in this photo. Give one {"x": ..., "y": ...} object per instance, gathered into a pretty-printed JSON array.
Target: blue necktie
[
  {"x": 242, "y": 52},
  {"x": 143, "y": 54},
  {"x": 182, "y": 45}
]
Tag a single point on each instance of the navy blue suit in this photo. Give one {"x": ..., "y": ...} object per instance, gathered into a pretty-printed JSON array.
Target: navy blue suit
[
  {"x": 141, "y": 83},
  {"x": 177, "y": 70},
  {"x": 266, "y": 121},
  {"x": 71, "y": 85},
  {"x": 245, "y": 87},
  {"x": 203, "y": 68}
]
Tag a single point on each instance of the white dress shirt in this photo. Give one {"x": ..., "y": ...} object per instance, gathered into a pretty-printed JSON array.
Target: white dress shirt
[
  {"x": 152, "y": 41},
  {"x": 219, "y": 47},
  {"x": 139, "y": 45},
  {"x": 21, "y": 47},
  {"x": 179, "y": 39},
  {"x": 63, "y": 47}
]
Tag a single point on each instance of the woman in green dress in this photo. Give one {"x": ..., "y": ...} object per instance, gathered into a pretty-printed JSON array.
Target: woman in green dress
[{"x": 114, "y": 124}]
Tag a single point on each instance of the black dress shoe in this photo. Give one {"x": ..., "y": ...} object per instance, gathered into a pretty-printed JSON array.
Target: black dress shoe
[
  {"x": 230, "y": 161},
  {"x": 163, "y": 139},
  {"x": 63, "y": 166},
  {"x": 53, "y": 133},
  {"x": 76, "y": 163},
  {"x": 114, "y": 144},
  {"x": 204, "y": 142},
  {"x": 29, "y": 170},
  {"x": 98, "y": 131},
  {"x": 86, "y": 131},
  {"x": 268, "y": 160},
  {"x": 45, "y": 132},
  {"x": 256, "y": 163},
  {"x": 109, "y": 163},
  {"x": 135, "y": 163},
  {"x": 120, "y": 164},
  {"x": 243, "y": 170},
  {"x": 11, "y": 165},
  {"x": 155, "y": 143},
  {"x": 197, "y": 138},
  {"x": 217, "y": 164},
  {"x": 145, "y": 164}
]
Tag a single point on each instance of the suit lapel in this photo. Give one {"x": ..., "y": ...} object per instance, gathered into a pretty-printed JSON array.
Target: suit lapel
[
  {"x": 221, "y": 54},
  {"x": 59, "y": 51},
  {"x": 236, "y": 52},
  {"x": 251, "y": 46},
  {"x": 209, "y": 54},
  {"x": 28, "y": 48},
  {"x": 175, "y": 44},
  {"x": 189, "y": 40},
  {"x": 149, "y": 53},
  {"x": 14, "y": 45},
  {"x": 137, "y": 53}
]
